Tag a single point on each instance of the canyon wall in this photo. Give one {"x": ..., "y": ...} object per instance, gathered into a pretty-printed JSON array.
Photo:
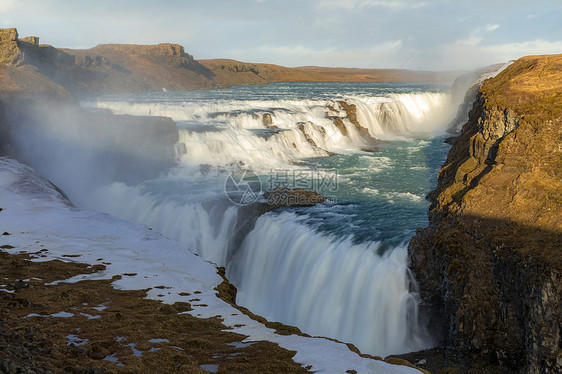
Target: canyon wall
[
  {"x": 126, "y": 68},
  {"x": 42, "y": 124},
  {"x": 489, "y": 264}
]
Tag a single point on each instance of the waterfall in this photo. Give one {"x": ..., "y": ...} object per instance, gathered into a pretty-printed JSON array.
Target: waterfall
[
  {"x": 328, "y": 286},
  {"x": 404, "y": 114},
  {"x": 284, "y": 268},
  {"x": 262, "y": 134}
]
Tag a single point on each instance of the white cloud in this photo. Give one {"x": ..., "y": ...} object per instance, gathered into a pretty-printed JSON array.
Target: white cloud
[
  {"x": 372, "y": 57},
  {"x": 439, "y": 34},
  {"x": 6, "y": 5},
  {"x": 358, "y": 5},
  {"x": 471, "y": 53}
]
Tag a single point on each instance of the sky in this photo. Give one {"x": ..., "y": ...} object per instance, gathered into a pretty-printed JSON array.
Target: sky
[{"x": 408, "y": 34}]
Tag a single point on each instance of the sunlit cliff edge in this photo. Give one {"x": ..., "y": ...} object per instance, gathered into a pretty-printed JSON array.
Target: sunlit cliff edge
[{"x": 489, "y": 264}]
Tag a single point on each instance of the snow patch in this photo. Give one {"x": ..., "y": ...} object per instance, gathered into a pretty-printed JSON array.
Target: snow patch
[{"x": 39, "y": 217}]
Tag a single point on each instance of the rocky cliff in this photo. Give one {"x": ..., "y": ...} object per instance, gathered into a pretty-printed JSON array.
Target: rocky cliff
[
  {"x": 41, "y": 122},
  {"x": 489, "y": 264},
  {"x": 101, "y": 70},
  {"x": 125, "y": 68}
]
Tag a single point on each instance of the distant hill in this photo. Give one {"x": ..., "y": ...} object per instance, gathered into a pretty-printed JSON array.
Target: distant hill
[
  {"x": 126, "y": 68},
  {"x": 236, "y": 72}
]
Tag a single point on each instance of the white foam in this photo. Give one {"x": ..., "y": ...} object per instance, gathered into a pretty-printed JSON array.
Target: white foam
[
  {"x": 328, "y": 286},
  {"x": 225, "y": 132}
]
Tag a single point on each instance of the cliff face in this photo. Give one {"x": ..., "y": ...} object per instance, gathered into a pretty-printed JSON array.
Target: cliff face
[
  {"x": 125, "y": 68},
  {"x": 464, "y": 91},
  {"x": 490, "y": 262},
  {"x": 115, "y": 68},
  {"x": 41, "y": 123},
  {"x": 100, "y": 70}
]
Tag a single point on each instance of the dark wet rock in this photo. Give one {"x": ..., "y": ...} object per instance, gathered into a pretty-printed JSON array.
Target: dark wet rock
[
  {"x": 267, "y": 120},
  {"x": 20, "y": 284},
  {"x": 370, "y": 149},
  {"x": 450, "y": 140},
  {"x": 338, "y": 122},
  {"x": 306, "y": 136},
  {"x": 351, "y": 111}
]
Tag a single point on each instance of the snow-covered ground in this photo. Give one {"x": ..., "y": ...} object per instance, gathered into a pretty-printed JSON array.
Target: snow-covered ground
[{"x": 38, "y": 217}]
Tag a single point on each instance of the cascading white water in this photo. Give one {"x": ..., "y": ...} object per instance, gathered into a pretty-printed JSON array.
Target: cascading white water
[
  {"x": 221, "y": 132},
  {"x": 205, "y": 230},
  {"x": 328, "y": 285},
  {"x": 403, "y": 114},
  {"x": 286, "y": 270}
]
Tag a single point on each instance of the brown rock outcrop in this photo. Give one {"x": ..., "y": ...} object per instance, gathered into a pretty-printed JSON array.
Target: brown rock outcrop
[
  {"x": 10, "y": 53},
  {"x": 8, "y": 35},
  {"x": 489, "y": 264},
  {"x": 33, "y": 40},
  {"x": 351, "y": 111},
  {"x": 126, "y": 68}
]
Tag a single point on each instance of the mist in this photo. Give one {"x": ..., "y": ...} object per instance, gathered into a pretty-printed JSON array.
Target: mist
[{"x": 79, "y": 150}]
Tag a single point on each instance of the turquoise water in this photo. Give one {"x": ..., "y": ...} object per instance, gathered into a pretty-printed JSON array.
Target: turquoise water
[
  {"x": 380, "y": 196},
  {"x": 338, "y": 269},
  {"x": 283, "y": 91}
]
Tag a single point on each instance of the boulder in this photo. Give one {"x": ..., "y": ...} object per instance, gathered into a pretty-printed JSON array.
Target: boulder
[{"x": 267, "y": 120}]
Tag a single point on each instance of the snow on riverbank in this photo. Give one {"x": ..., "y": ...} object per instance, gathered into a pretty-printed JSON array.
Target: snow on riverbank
[{"x": 38, "y": 217}]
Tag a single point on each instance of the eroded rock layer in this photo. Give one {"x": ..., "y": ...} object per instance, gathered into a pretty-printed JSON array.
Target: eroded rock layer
[{"x": 489, "y": 264}]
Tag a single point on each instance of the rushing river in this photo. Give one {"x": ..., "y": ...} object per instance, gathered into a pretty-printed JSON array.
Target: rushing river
[{"x": 338, "y": 269}]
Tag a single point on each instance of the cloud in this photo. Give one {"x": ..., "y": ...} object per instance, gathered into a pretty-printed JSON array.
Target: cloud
[
  {"x": 6, "y": 5},
  {"x": 370, "y": 57},
  {"x": 439, "y": 34},
  {"x": 472, "y": 52},
  {"x": 358, "y": 5}
]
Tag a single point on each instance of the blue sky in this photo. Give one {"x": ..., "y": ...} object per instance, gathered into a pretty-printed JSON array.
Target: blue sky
[{"x": 426, "y": 34}]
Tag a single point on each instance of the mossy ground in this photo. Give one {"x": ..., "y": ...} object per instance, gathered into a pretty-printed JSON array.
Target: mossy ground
[{"x": 116, "y": 324}]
